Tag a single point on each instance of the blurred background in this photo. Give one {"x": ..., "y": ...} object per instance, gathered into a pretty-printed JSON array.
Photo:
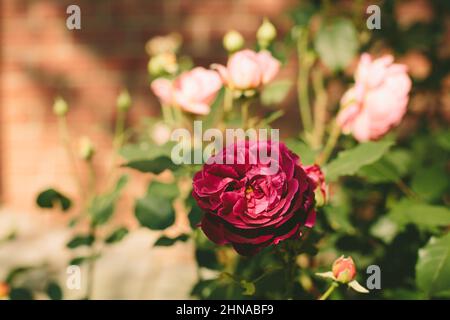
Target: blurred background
[{"x": 41, "y": 58}]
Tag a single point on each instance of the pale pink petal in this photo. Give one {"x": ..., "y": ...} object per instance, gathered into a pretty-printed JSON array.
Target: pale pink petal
[
  {"x": 163, "y": 89},
  {"x": 223, "y": 72},
  {"x": 244, "y": 71},
  {"x": 269, "y": 66}
]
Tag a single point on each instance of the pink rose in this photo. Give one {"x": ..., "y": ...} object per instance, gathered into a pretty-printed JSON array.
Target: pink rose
[
  {"x": 247, "y": 205},
  {"x": 247, "y": 69},
  {"x": 193, "y": 90},
  {"x": 377, "y": 101}
]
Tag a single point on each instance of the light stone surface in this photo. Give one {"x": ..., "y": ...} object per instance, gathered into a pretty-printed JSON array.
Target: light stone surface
[{"x": 131, "y": 269}]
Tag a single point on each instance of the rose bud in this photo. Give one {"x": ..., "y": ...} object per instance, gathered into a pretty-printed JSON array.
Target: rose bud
[
  {"x": 163, "y": 44},
  {"x": 247, "y": 69},
  {"x": 60, "y": 107},
  {"x": 233, "y": 41},
  {"x": 124, "y": 101},
  {"x": 377, "y": 101},
  {"x": 266, "y": 33},
  {"x": 344, "y": 269},
  {"x": 315, "y": 174},
  {"x": 162, "y": 63},
  {"x": 86, "y": 149}
]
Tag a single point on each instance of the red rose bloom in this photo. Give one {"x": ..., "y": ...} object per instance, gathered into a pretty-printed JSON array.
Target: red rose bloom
[{"x": 255, "y": 201}]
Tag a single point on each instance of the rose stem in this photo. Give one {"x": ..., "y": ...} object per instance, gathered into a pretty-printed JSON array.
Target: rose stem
[
  {"x": 92, "y": 233},
  {"x": 167, "y": 114},
  {"x": 320, "y": 108},
  {"x": 66, "y": 141},
  {"x": 244, "y": 113},
  {"x": 331, "y": 143},
  {"x": 302, "y": 81},
  {"x": 118, "y": 141},
  {"x": 330, "y": 290}
]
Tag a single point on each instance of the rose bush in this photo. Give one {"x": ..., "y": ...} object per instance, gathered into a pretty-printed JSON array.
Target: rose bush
[{"x": 381, "y": 200}]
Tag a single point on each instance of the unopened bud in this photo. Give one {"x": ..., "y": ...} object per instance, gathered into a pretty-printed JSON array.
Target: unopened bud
[
  {"x": 87, "y": 149},
  {"x": 124, "y": 101},
  {"x": 344, "y": 269},
  {"x": 266, "y": 33},
  {"x": 233, "y": 41},
  {"x": 162, "y": 63},
  {"x": 60, "y": 107}
]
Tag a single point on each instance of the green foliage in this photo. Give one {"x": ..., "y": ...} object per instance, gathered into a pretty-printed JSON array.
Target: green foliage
[
  {"x": 423, "y": 215},
  {"x": 103, "y": 206},
  {"x": 80, "y": 240},
  {"x": 20, "y": 294},
  {"x": 166, "y": 190},
  {"x": 337, "y": 43},
  {"x": 307, "y": 155},
  {"x": 430, "y": 182},
  {"x": 348, "y": 162},
  {"x": 155, "y": 165},
  {"x": 433, "y": 267},
  {"x": 117, "y": 235},
  {"x": 275, "y": 92},
  {"x": 54, "y": 291},
  {"x": 50, "y": 198},
  {"x": 195, "y": 213},
  {"x": 154, "y": 212},
  {"x": 155, "y": 209},
  {"x": 164, "y": 241}
]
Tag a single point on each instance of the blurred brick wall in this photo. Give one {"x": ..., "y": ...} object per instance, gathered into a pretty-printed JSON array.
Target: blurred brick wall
[{"x": 41, "y": 58}]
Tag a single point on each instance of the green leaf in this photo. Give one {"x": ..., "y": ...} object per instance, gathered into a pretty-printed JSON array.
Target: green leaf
[
  {"x": 20, "y": 294},
  {"x": 423, "y": 215},
  {"x": 51, "y": 197},
  {"x": 443, "y": 139},
  {"x": 337, "y": 43},
  {"x": 169, "y": 191},
  {"x": 16, "y": 272},
  {"x": 154, "y": 212},
  {"x": 103, "y": 206},
  {"x": 348, "y": 162},
  {"x": 394, "y": 165},
  {"x": 207, "y": 258},
  {"x": 430, "y": 182},
  {"x": 80, "y": 240},
  {"x": 145, "y": 150},
  {"x": 249, "y": 288},
  {"x": 306, "y": 154},
  {"x": 54, "y": 291},
  {"x": 78, "y": 261},
  {"x": 275, "y": 92},
  {"x": 82, "y": 259},
  {"x": 381, "y": 171},
  {"x": 117, "y": 235},
  {"x": 164, "y": 241},
  {"x": 195, "y": 213},
  {"x": 339, "y": 219},
  {"x": 433, "y": 267},
  {"x": 156, "y": 165}
]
